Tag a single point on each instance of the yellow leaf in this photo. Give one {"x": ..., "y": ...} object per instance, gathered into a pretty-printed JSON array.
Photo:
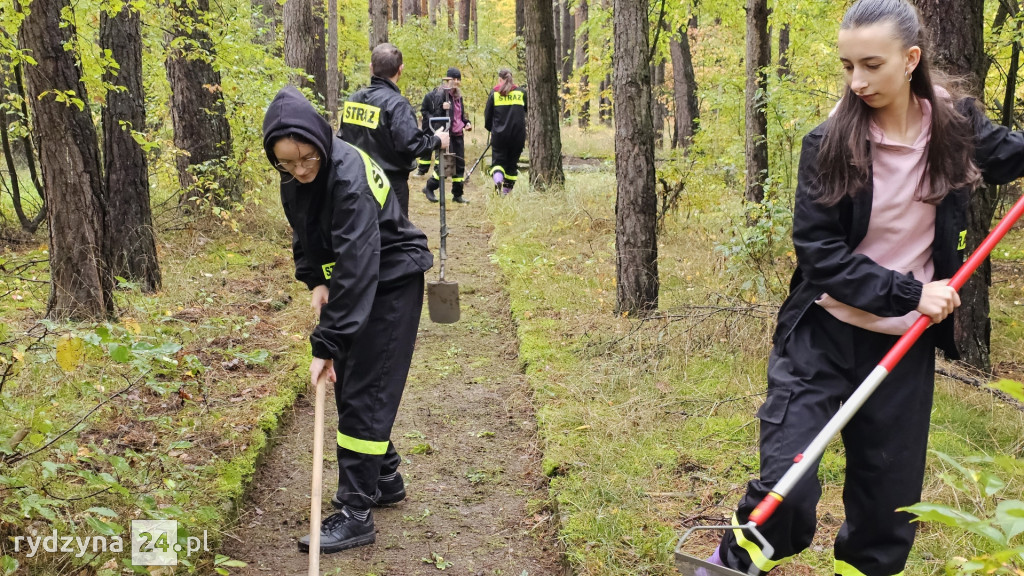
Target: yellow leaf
[
  {"x": 18, "y": 355},
  {"x": 131, "y": 325},
  {"x": 69, "y": 353}
]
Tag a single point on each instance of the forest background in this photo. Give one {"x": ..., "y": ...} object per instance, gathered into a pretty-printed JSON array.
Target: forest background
[{"x": 161, "y": 404}]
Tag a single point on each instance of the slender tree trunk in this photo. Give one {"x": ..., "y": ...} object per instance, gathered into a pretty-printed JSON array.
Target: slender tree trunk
[
  {"x": 758, "y": 58},
  {"x": 451, "y": 14},
  {"x": 783, "y": 69},
  {"x": 409, "y": 8},
  {"x": 658, "y": 109},
  {"x": 304, "y": 44},
  {"x": 396, "y": 12},
  {"x": 264, "y": 21},
  {"x": 1009, "y": 97},
  {"x": 476, "y": 26},
  {"x": 201, "y": 128},
  {"x": 378, "y": 22},
  {"x": 433, "y": 8},
  {"x": 960, "y": 25},
  {"x": 542, "y": 93},
  {"x": 566, "y": 58},
  {"x": 520, "y": 18},
  {"x": 131, "y": 240},
  {"x": 464, "y": 12},
  {"x": 332, "y": 61},
  {"x": 636, "y": 217},
  {"x": 604, "y": 102},
  {"x": 27, "y": 144},
  {"x": 582, "y": 53},
  {"x": 9, "y": 86},
  {"x": 81, "y": 283},
  {"x": 687, "y": 112},
  {"x": 556, "y": 15}
]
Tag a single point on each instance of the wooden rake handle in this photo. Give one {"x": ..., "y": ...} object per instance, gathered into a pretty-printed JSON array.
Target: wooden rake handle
[{"x": 316, "y": 492}]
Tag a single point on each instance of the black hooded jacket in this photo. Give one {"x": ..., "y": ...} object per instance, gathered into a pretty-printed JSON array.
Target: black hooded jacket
[
  {"x": 348, "y": 229},
  {"x": 381, "y": 121},
  {"x": 505, "y": 116},
  {"x": 825, "y": 236}
]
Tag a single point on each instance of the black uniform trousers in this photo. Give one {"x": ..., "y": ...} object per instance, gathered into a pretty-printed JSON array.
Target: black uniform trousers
[
  {"x": 505, "y": 159},
  {"x": 819, "y": 366},
  {"x": 400, "y": 186},
  {"x": 369, "y": 390},
  {"x": 457, "y": 146}
]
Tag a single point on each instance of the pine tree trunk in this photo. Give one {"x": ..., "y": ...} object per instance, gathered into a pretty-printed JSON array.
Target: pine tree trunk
[
  {"x": 582, "y": 53},
  {"x": 636, "y": 217},
  {"x": 265, "y": 19},
  {"x": 961, "y": 52},
  {"x": 687, "y": 112},
  {"x": 783, "y": 69},
  {"x": 473, "y": 19},
  {"x": 332, "y": 62},
  {"x": 81, "y": 283},
  {"x": 543, "y": 132},
  {"x": 658, "y": 109},
  {"x": 758, "y": 58},
  {"x": 451, "y": 14},
  {"x": 304, "y": 45},
  {"x": 432, "y": 9},
  {"x": 131, "y": 250},
  {"x": 378, "y": 22},
  {"x": 201, "y": 126},
  {"x": 566, "y": 58},
  {"x": 520, "y": 18},
  {"x": 464, "y": 21}
]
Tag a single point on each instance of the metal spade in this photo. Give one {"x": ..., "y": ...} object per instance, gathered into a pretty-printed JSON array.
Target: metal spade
[{"x": 443, "y": 296}]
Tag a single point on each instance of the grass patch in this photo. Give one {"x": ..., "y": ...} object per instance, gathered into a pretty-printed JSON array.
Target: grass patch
[
  {"x": 164, "y": 412},
  {"x": 648, "y": 426}
]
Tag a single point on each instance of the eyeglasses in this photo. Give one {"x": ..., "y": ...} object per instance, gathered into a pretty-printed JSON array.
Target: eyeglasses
[{"x": 304, "y": 163}]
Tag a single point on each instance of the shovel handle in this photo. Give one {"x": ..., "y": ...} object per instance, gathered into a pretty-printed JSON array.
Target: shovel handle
[{"x": 316, "y": 491}]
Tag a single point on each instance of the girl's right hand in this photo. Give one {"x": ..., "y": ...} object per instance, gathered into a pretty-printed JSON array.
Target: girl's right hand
[
  {"x": 317, "y": 367},
  {"x": 938, "y": 300}
]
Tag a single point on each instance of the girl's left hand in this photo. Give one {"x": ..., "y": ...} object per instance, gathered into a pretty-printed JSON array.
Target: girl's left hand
[
  {"x": 317, "y": 367},
  {"x": 938, "y": 300}
]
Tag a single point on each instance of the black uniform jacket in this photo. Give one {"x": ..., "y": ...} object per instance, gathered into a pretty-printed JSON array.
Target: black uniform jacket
[
  {"x": 348, "y": 229},
  {"x": 433, "y": 107},
  {"x": 505, "y": 116},
  {"x": 381, "y": 121},
  {"x": 825, "y": 236}
]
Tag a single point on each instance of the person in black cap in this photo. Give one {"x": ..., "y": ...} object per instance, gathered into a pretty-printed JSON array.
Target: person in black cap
[
  {"x": 446, "y": 100},
  {"x": 364, "y": 263},
  {"x": 381, "y": 122}
]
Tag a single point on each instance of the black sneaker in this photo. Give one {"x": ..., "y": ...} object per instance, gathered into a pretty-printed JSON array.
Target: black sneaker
[
  {"x": 429, "y": 194},
  {"x": 341, "y": 531},
  {"x": 460, "y": 200},
  {"x": 388, "y": 492}
]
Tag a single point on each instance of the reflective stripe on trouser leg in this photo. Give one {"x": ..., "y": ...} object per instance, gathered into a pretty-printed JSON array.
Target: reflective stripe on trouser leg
[
  {"x": 762, "y": 562},
  {"x": 370, "y": 387},
  {"x": 844, "y": 569}
]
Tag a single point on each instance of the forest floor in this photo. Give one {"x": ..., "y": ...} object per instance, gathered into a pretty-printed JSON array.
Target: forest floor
[{"x": 477, "y": 500}]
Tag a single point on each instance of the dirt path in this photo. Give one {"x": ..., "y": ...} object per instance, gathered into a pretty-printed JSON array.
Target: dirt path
[{"x": 467, "y": 433}]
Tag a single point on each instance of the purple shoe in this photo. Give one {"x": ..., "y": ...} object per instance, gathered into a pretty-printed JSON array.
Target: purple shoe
[
  {"x": 715, "y": 559},
  {"x": 498, "y": 177},
  {"x": 505, "y": 191}
]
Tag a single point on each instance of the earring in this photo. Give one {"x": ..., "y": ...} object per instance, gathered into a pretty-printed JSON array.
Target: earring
[{"x": 908, "y": 75}]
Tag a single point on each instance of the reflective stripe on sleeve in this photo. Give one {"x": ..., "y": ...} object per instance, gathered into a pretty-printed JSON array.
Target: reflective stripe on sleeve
[
  {"x": 756, "y": 556},
  {"x": 846, "y": 569}
]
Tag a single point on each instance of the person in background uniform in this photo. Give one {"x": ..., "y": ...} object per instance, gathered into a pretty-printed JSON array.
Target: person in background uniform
[
  {"x": 505, "y": 119},
  {"x": 364, "y": 262},
  {"x": 878, "y": 228},
  {"x": 446, "y": 100},
  {"x": 380, "y": 121}
]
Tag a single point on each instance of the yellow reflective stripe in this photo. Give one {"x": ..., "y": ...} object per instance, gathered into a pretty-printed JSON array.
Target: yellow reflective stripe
[
  {"x": 513, "y": 98},
  {"x": 457, "y": 179},
  {"x": 362, "y": 446},
  {"x": 845, "y": 569},
  {"x": 497, "y": 169},
  {"x": 361, "y": 115},
  {"x": 756, "y": 556},
  {"x": 422, "y": 161},
  {"x": 511, "y": 177},
  {"x": 375, "y": 177}
]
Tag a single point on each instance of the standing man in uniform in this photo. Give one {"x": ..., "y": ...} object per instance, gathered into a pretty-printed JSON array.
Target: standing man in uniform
[
  {"x": 381, "y": 122},
  {"x": 446, "y": 100}
]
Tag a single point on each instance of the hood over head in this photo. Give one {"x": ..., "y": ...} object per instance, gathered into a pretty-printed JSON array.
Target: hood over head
[{"x": 291, "y": 114}]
